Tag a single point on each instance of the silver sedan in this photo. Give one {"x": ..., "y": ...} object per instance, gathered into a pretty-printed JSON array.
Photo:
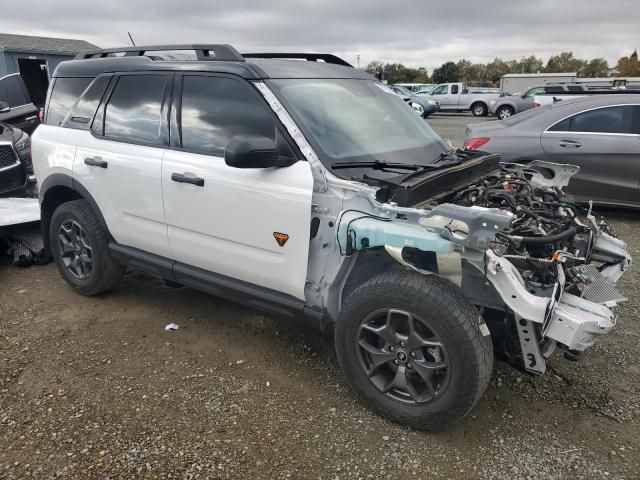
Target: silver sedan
[{"x": 600, "y": 134}]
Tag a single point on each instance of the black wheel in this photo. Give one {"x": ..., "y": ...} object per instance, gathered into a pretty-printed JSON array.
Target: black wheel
[
  {"x": 504, "y": 112},
  {"x": 80, "y": 249},
  {"x": 479, "y": 109},
  {"x": 410, "y": 346}
]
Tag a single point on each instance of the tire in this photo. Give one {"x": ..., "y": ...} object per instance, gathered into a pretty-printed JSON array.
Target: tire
[
  {"x": 368, "y": 360},
  {"x": 504, "y": 112},
  {"x": 80, "y": 249},
  {"x": 479, "y": 109}
]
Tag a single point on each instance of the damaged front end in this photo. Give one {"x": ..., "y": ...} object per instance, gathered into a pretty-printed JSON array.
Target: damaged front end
[{"x": 541, "y": 269}]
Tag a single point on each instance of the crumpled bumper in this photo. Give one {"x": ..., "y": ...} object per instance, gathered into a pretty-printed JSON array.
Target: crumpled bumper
[{"x": 567, "y": 320}]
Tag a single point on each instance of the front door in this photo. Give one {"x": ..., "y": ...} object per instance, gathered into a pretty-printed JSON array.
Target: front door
[
  {"x": 251, "y": 225},
  {"x": 605, "y": 144}
]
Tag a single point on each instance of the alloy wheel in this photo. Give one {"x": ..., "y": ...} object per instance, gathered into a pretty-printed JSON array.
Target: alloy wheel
[
  {"x": 504, "y": 113},
  {"x": 402, "y": 356},
  {"x": 75, "y": 250}
]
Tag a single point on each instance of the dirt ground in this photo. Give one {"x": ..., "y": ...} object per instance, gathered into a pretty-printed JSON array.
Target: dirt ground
[{"x": 96, "y": 388}]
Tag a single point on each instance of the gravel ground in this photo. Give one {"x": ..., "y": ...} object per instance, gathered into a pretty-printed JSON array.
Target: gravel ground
[{"x": 96, "y": 388}]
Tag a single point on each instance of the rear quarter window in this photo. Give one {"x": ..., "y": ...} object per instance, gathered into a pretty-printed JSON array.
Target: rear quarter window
[{"x": 64, "y": 94}]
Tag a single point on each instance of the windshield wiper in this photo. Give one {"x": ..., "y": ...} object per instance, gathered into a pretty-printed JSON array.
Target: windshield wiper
[
  {"x": 444, "y": 155},
  {"x": 380, "y": 165},
  {"x": 376, "y": 165}
]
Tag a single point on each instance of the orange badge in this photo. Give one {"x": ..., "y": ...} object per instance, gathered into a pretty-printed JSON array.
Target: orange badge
[{"x": 281, "y": 238}]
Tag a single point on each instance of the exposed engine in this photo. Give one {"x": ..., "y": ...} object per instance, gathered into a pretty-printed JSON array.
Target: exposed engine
[{"x": 546, "y": 227}]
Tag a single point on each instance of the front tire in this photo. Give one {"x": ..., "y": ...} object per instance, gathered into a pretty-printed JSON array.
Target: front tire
[
  {"x": 479, "y": 110},
  {"x": 80, "y": 249},
  {"x": 410, "y": 346}
]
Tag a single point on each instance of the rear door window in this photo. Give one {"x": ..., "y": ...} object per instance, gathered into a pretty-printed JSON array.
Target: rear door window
[
  {"x": 454, "y": 89},
  {"x": 134, "y": 111},
  {"x": 85, "y": 108},
  {"x": 618, "y": 119},
  {"x": 64, "y": 94},
  {"x": 13, "y": 92},
  {"x": 215, "y": 109}
]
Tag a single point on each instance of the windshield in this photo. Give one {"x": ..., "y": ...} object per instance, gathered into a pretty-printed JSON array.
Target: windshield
[{"x": 358, "y": 121}]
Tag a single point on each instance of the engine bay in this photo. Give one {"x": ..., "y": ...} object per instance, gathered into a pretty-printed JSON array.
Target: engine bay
[{"x": 546, "y": 227}]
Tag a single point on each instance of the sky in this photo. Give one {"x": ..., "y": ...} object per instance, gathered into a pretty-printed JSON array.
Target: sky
[{"x": 416, "y": 33}]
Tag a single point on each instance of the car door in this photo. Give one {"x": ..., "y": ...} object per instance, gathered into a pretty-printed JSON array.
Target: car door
[
  {"x": 22, "y": 112},
  {"x": 120, "y": 160},
  {"x": 605, "y": 143},
  {"x": 251, "y": 225},
  {"x": 441, "y": 93}
]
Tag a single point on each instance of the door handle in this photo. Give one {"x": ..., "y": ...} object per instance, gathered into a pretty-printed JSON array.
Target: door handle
[
  {"x": 32, "y": 117},
  {"x": 182, "y": 178},
  {"x": 95, "y": 162},
  {"x": 569, "y": 144}
]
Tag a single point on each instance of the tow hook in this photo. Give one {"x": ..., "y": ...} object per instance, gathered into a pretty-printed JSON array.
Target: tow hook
[{"x": 573, "y": 355}]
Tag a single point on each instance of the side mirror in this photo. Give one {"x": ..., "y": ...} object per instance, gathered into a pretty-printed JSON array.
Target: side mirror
[
  {"x": 4, "y": 107},
  {"x": 251, "y": 151}
]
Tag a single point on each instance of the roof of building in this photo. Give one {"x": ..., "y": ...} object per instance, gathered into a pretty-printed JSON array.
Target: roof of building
[
  {"x": 513, "y": 75},
  {"x": 31, "y": 44}
]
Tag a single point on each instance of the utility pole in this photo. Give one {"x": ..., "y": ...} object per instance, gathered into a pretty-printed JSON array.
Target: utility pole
[{"x": 358, "y": 60}]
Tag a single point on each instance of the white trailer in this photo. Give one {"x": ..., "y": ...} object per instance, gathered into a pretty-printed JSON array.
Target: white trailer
[{"x": 519, "y": 82}]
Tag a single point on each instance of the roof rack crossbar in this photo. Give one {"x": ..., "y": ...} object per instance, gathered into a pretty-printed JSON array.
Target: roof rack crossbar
[
  {"x": 311, "y": 57},
  {"x": 204, "y": 52}
]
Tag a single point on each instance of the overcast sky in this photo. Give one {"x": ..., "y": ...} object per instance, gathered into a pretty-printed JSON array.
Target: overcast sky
[{"x": 415, "y": 33}]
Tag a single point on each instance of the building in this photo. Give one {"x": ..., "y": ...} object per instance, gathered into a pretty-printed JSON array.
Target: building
[
  {"x": 35, "y": 59},
  {"x": 520, "y": 82}
]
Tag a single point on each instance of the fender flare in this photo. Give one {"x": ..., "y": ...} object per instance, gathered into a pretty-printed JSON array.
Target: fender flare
[{"x": 66, "y": 181}]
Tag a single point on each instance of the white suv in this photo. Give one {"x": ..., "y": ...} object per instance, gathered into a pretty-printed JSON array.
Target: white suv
[{"x": 306, "y": 189}]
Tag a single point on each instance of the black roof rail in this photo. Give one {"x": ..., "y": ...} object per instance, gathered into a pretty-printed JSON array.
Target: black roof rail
[
  {"x": 311, "y": 57},
  {"x": 219, "y": 52}
]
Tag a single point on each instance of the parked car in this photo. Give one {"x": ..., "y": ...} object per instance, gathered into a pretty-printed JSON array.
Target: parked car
[
  {"x": 15, "y": 161},
  {"x": 457, "y": 97},
  {"x": 504, "y": 107},
  {"x": 16, "y": 107},
  {"x": 600, "y": 134},
  {"x": 415, "y": 87},
  {"x": 422, "y": 106},
  {"x": 305, "y": 189}
]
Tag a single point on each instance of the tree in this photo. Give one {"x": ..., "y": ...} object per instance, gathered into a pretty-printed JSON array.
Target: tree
[
  {"x": 565, "y": 62},
  {"x": 597, "y": 67},
  {"x": 496, "y": 69},
  {"x": 397, "y": 72},
  {"x": 629, "y": 66},
  {"x": 447, "y": 72}
]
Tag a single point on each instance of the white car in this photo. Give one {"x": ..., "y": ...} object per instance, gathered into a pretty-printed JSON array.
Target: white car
[{"x": 305, "y": 189}]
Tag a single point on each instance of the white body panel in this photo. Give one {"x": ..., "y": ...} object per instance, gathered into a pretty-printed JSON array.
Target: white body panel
[
  {"x": 53, "y": 150},
  {"x": 128, "y": 191},
  {"x": 227, "y": 226}
]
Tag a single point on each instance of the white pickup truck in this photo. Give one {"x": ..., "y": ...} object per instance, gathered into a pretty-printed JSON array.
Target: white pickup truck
[{"x": 459, "y": 97}]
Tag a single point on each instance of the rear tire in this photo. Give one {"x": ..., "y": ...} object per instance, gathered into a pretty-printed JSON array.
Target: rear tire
[
  {"x": 80, "y": 249},
  {"x": 442, "y": 370},
  {"x": 479, "y": 109},
  {"x": 504, "y": 112}
]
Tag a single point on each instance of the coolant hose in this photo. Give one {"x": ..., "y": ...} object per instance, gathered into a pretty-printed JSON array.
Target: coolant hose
[{"x": 569, "y": 232}]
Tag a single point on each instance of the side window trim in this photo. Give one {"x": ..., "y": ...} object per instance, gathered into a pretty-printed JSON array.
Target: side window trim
[
  {"x": 98, "y": 124},
  {"x": 570, "y": 117},
  {"x": 175, "y": 127}
]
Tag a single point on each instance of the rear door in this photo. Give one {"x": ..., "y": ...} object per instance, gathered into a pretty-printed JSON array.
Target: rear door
[
  {"x": 120, "y": 160},
  {"x": 22, "y": 114},
  {"x": 251, "y": 225},
  {"x": 605, "y": 143}
]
